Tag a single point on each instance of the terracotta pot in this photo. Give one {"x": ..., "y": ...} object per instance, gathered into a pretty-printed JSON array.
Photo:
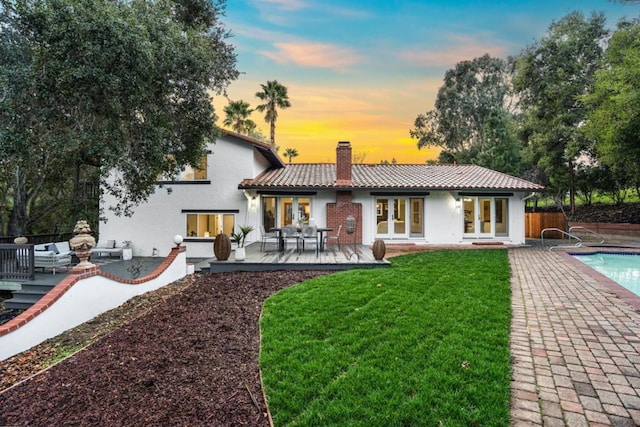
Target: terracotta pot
[
  {"x": 222, "y": 247},
  {"x": 379, "y": 249}
]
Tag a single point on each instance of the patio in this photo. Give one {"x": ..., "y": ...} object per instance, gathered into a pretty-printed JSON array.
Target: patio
[{"x": 347, "y": 257}]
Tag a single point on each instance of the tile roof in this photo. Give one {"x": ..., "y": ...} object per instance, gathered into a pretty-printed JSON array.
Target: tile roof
[
  {"x": 263, "y": 147},
  {"x": 383, "y": 176}
]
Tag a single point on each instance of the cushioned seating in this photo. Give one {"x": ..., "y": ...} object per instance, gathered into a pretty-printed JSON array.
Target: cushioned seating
[
  {"x": 106, "y": 247},
  {"x": 52, "y": 255}
]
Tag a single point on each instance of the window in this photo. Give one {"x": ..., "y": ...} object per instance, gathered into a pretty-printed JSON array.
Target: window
[
  {"x": 190, "y": 173},
  {"x": 208, "y": 225}
]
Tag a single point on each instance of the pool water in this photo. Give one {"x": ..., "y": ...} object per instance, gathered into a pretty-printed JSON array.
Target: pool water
[{"x": 623, "y": 269}]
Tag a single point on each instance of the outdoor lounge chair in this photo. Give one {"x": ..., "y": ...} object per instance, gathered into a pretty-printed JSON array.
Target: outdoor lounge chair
[
  {"x": 107, "y": 247},
  {"x": 52, "y": 255}
]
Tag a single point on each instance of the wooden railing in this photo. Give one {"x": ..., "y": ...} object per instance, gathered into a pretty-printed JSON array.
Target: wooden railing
[
  {"x": 38, "y": 239},
  {"x": 16, "y": 262}
]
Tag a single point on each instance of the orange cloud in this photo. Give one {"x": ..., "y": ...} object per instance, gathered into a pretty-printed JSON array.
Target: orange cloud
[
  {"x": 461, "y": 47},
  {"x": 320, "y": 55}
]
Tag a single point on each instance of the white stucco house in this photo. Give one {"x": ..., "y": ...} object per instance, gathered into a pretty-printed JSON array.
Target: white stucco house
[{"x": 243, "y": 182}]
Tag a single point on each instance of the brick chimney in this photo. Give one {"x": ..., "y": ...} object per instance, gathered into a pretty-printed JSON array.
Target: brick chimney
[{"x": 343, "y": 163}]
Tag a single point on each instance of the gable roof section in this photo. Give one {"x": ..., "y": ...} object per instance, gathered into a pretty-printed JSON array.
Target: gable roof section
[
  {"x": 382, "y": 176},
  {"x": 262, "y": 147}
]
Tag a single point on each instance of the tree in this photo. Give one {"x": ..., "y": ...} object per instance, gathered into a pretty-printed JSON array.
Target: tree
[
  {"x": 471, "y": 92},
  {"x": 290, "y": 153},
  {"x": 237, "y": 115},
  {"x": 274, "y": 96},
  {"x": 550, "y": 77},
  {"x": 122, "y": 87},
  {"x": 502, "y": 149},
  {"x": 613, "y": 105}
]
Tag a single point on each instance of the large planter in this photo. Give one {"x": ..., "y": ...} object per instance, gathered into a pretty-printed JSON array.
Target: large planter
[
  {"x": 241, "y": 254},
  {"x": 379, "y": 249},
  {"x": 222, "y": 247}
]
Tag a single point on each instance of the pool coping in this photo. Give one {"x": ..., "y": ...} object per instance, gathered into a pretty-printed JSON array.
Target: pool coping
[{"x": 619, "y": 290}]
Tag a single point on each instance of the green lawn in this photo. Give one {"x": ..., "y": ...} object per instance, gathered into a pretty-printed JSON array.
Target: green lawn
[{"x": 425, "y": 342}]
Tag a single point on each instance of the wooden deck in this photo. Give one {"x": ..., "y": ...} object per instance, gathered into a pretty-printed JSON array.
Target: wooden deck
[{"x": 271, "y": 259}]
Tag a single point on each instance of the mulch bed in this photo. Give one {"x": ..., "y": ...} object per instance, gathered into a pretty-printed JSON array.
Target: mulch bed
[{"x": 191, "y": 359}]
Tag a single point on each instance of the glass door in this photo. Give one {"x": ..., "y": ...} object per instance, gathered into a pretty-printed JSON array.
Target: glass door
[
  {"x": 391, "y": 217},
  {"x": 486, "y": 225},
  {"x": 485, "y": 217}
]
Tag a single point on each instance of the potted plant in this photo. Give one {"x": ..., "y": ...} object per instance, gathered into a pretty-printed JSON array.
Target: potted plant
[
  {"x": 240, "y": 237},
  {"x": 127, "y": 250}
]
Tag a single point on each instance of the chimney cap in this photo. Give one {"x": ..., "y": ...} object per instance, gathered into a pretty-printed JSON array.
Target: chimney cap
[{"x": 344, "y": 143}]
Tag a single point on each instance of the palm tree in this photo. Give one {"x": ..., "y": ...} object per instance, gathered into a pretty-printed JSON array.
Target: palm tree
[
  {"x": 237, "y": 116},
  {"x": 274, "y": 95},
  {"x": 290, "y": 153}
]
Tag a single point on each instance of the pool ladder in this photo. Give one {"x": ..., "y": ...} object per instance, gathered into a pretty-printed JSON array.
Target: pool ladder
[{"x": 571, "y": 235}]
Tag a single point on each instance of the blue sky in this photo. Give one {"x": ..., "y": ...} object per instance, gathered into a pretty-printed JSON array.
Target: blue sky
[{"x": 361, "y": 71}]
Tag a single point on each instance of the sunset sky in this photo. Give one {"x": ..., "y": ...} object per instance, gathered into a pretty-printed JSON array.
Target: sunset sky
[{"x": 361, "y": 71}]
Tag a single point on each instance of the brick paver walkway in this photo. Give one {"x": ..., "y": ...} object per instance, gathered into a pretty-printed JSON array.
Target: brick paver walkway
[{"x": 575, "y": 346}]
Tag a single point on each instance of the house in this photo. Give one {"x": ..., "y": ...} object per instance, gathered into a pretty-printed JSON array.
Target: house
[{"x": 243, "y": 182}]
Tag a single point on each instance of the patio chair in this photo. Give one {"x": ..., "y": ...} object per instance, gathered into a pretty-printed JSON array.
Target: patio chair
[
  {"x": 266, "y": 237},
  {"x": 289, "y": 233},
  {"x": 309, "y": 234},
  {"x": 335, "y": 238}
]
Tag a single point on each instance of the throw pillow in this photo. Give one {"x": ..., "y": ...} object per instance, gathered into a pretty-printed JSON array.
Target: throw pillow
[{"x": 53, "y": 248}]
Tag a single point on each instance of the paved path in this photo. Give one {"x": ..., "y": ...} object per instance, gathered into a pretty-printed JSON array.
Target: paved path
[{"x": 575, "y": 345}]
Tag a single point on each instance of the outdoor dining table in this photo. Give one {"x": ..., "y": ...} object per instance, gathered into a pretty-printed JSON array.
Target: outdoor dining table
[{"x": 320, "y": 230}]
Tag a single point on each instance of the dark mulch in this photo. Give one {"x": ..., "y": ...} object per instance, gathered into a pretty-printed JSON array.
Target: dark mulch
[{"x": 190, "y": 360}]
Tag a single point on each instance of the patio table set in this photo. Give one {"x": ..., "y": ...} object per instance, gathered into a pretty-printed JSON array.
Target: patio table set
[{"x": 301, "y": 235}]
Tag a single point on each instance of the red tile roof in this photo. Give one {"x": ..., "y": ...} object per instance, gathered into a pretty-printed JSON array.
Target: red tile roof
[{"x": 383, "y": 176}]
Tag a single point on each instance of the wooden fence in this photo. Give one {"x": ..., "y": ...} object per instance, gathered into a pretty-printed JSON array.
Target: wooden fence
[{"x": 535, "y": 222}]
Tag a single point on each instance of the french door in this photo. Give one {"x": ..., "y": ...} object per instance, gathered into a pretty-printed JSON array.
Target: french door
[
  {"x": 485, "y": 217},
  {"x": 399, "y": 217}
]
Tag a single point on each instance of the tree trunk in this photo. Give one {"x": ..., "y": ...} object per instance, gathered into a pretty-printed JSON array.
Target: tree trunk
[
  {"x": 18, "y": 215},
  {"x": 572, "y": 188},
  {"x": 273, "y": 134}
]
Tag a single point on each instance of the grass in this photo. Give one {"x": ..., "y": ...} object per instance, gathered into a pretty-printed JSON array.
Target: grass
[{"x": 425, "y": 342}]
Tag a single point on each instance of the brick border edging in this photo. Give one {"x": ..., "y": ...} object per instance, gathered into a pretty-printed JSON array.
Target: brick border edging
[{"x": 65, "y": 284}]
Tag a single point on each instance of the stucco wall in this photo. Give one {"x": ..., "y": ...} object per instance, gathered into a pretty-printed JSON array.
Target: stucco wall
[
  {"x": 79, "y": 300},
  {"x": 155, "y": 222}
]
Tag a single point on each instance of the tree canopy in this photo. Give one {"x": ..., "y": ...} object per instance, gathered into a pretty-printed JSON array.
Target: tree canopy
[
  {"x": 237, "y": 115},
  {"x": 550, "y": 77},
  {"x": 473, "y": 107},
  {"x": 613, "y": 106},
  {"x": 274, "y": 96},
  {"x": 122, "y": 86}
]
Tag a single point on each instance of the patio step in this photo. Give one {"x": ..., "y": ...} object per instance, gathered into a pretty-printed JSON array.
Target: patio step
[{"x": 27, "y": 296}]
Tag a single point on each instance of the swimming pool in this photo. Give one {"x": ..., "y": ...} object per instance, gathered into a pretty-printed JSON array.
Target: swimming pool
[{"x": 623, "y": 269}]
